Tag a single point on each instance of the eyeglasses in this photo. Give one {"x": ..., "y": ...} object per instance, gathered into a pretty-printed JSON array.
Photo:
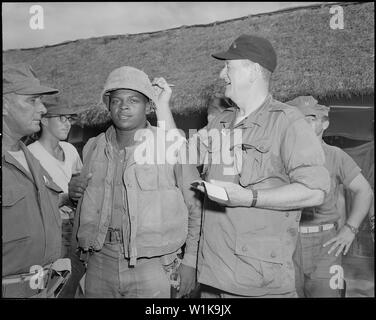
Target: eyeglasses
[{"x": 63, "y": 118}]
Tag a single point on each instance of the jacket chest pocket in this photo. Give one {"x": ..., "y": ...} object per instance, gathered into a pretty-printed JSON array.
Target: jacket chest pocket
[
  {"x": 147, "y": 177},
  {"x": 16, "y": 220},
  {"x": 253, "y": 167},
  {"x": 99, "y": 170}
]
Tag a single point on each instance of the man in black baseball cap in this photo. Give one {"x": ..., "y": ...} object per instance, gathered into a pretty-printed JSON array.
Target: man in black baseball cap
[
  {"x": 249, "y": 60},
  {"x": 247, "y": 243},
  {"x": 256, "y": 49}
]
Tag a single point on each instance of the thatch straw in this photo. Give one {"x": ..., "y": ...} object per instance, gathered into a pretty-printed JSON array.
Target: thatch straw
[{"x": 313, "y": 59}]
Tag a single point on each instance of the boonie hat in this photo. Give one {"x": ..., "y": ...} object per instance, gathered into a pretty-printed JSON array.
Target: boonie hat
[
  {"x": 20, "y": 78},
  {"x": 254, "y": 48}
]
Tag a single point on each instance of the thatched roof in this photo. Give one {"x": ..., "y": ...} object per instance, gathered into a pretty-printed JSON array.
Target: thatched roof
[{"x": 312, "y": 58}]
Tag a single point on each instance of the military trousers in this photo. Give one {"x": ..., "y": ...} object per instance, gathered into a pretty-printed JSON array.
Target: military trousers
[
  {"x": 317, "y": 272},
  {"x": 208, "y": 292},
  {"x": 109, "y": 275}
]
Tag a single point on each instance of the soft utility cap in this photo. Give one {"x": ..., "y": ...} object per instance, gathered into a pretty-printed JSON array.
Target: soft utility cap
[
  {"x": 20, "y": 78},
  {"x": 309, "y": 106}
]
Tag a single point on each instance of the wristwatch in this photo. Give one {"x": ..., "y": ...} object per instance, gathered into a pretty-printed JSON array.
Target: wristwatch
[
  {"x": 254, "y": 197},
  {"x": 353, "y": 229}
]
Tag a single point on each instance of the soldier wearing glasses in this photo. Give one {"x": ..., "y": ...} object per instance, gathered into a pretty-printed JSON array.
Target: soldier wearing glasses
[
  {"x": 62, "y": 161},
  {"x": 58, "y": 157}
]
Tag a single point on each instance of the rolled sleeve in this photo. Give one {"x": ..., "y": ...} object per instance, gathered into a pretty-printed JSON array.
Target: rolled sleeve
[
  {"x": 304, "y": 157},
  {"x": 348, "y": 169}
]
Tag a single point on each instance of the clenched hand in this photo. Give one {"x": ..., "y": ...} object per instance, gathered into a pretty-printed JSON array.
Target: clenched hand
[{"x": 77, "y": 186}]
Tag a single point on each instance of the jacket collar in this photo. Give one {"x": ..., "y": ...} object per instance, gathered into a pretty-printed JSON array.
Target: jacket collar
[
  {"x": 7, "y": 157},
  {"x": 112, "y": 145},
  {"x": 111, "y": 135},
  {"x": 259, "y": 117}
]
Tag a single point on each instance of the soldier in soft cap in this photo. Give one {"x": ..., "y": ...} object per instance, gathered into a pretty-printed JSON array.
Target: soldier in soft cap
[
  {"x": 30, "y": 217},
  {"x": 319, "y": 224}
]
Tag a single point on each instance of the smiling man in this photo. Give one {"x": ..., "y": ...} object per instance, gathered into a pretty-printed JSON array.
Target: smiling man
[
  {"x": 134, "y": 218},
  {"x": 247, "y": 242},
  {"x": 30, "y": 216}
]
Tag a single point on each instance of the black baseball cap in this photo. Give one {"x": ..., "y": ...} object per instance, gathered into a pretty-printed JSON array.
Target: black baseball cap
[{"x": 254, "y": 48}]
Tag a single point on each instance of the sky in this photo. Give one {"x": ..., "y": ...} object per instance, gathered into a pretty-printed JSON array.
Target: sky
[{"x": 65, "y": 21}]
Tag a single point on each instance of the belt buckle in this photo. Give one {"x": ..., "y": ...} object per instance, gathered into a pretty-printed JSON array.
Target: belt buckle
[
  {"x": 114, "y": 236},
  {"x": 110, "y": 235}
]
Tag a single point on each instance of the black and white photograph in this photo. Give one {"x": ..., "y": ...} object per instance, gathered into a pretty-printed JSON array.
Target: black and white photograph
[{"x": 165, "y": 151}]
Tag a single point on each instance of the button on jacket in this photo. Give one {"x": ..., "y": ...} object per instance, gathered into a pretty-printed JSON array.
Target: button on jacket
[
  {"x": 162, "y": 211},
  {"x": 30, "y": 215},
  {"x": 248, "y": 251}
]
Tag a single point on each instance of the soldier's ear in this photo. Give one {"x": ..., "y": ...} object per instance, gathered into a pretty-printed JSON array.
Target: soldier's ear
[
  {"x": 325, "y": 124},
  {"x": 254, "y": 70},
  {"x": 150, "y": 107},
  {"x": 44, "y": 121}
]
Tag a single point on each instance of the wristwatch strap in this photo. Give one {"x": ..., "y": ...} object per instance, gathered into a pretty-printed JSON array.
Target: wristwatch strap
[
  {"x": 353, "y": 229},
  {"x": 254, "y": 197}
]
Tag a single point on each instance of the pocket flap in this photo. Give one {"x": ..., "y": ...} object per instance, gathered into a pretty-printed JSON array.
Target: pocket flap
[
  {"x": 261, "y": 145},
  {"x": 12, "y": 196},
  {"x": 147, "y": 177},
  {"x": 267, "y": 249}
]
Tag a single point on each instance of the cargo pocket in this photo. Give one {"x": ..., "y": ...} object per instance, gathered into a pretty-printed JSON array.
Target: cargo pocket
[
  {"x": 16, "y": 220},
  {"x": 99, "y": 169},
  {"x": 253, "y": 168},
  {"x": 259, "y": 261}
]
